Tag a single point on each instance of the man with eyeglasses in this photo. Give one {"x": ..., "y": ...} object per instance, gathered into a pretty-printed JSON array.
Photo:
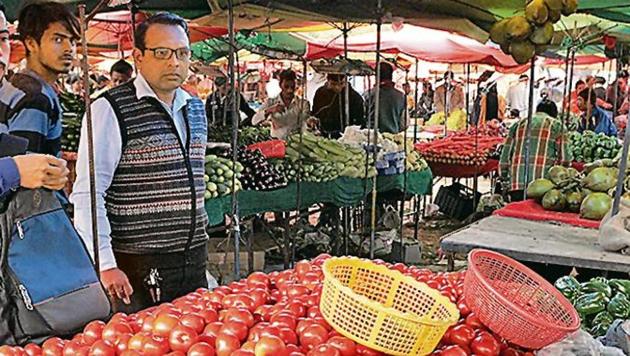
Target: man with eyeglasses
[{"x": 149, "y": 147}]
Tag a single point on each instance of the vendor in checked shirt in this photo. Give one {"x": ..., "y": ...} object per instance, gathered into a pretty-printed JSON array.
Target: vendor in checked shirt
[{"x": 548, "y": 146}]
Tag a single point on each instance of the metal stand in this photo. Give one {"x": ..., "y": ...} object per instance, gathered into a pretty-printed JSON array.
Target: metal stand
[
  {"x": 530, "y": 112},
  {"x": 377, "y": 96}
]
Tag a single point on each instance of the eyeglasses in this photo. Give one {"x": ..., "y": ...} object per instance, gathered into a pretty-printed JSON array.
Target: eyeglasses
[{"x": 164, "y": 53}]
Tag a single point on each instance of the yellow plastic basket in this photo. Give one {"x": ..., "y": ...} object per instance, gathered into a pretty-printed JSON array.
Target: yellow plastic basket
[{"x": 384, "y": 309}]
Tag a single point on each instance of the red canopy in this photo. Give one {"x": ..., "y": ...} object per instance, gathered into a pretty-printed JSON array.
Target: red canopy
[
  {"x": 111, "y": 32},
  {"x": 422, "y": 43}
]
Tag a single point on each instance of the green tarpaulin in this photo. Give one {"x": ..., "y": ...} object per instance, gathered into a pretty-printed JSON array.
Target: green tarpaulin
[
  {"x": 271, "y": 44},
  {"x": 342, "y": 191}
]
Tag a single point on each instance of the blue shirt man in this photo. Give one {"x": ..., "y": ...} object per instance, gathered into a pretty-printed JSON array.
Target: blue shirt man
[{"x": 599, "y": 120}]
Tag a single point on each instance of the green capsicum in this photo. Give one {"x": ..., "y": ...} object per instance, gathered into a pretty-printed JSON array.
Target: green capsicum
[
  {"x": 619, "y": 306},
  {"x": 600, "y": 324},
  {"x": 568, "y": 286},
  {"x": 621, "y": 285},
  {"x": 591, "y": 303},
  {"x": 597, "y": 284}
]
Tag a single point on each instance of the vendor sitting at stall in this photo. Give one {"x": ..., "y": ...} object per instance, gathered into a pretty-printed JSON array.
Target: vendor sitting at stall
[
  {"x": 594, "y": 118},
  {"x": 285, "y": 111},
  {"x": 548, "y": 146}
]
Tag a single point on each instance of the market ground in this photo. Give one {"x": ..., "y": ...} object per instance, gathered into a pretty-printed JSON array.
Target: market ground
[{"x": 431, "y": 229}]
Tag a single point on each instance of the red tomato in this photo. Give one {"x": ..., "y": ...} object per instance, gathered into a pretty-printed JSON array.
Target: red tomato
[
  {"x": 270, "y": 346},
  {"x": 52, "y": 347},
  {"x": 312, "y": 300},
  {"x": 303, "y": 324},
  {"x": 201, "y": 349},
  {"x": 302, "y": 267},
  {"x": 485, "y": 345},
  {"x": 313, "y": 312},
  {"x": 148, "y": 323},
  {"x": 113, "y": 330},
  {"x": 209, "y": 315},
  {"x": 164, "y": 324},
  {"x": 136, "y": 342},
  {"x": 226, "y": 344},
  {"x": 102, "y": 348},
  {"x": 311, "y": 280},
  {"x": 131, "y": 353},
  {"x": 121, "y": 342},
  {"x": 264, "y": 311},
  {"x": 242, "y": 352},
  {"x": 511, "y": 352},
  {"x": 175, "y": 353},
  {"x": 33, "y": 350},
  {"x": 319, "y": 260},
  {"x": 324, "y": 350},
  {"x": 240, "y": 315},
  {"x": 464, "y": 310},
  {"x": 366, "y": 351},
  {"x": 260, "y": 296},
  {"x": 249, "y": 346},
  {"x": 212, "y": 331},
  {"x": 239, "y": 301},
  {"x": 259, "y": 277},
  {"x": 461, "y": 335},
  {"x": 182, "y": 338},
  {"x": 288, "y": 336},
  {"x": 93, "y": 332},
  {"x": 473, "y": 321},
  {"x": 284, "y": 319},
  {"x": 297, "y": 290},
  {"x": 155, "y": 346},
  {"x": 454, "y": 350},
  {"x": 235, "y": 328},
  {"x": 345, "y": 346},
  {"x": 296, "y": 308},
  {"x": 312, "y": 336},
  {"x": 70, "y": 348}
]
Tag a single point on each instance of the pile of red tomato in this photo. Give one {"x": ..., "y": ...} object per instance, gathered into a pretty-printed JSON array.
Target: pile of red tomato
[{"x": 275, "y": 314}]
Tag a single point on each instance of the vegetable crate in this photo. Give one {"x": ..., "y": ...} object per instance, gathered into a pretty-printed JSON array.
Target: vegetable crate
[{"x": 456, "y": 200}]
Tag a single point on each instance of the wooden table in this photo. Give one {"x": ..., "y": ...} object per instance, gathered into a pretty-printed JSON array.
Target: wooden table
[{"x": 534, "y": 241}]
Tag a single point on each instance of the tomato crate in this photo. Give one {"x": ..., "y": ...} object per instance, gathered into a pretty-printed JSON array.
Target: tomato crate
[{"x": 456, "y": 200}]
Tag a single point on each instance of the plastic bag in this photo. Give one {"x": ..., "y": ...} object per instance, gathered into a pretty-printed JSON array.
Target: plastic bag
[
  {"x": 618, "y": 335},
  {"x": 579, "y": 343},
  {"x": 614, "y": 232}
]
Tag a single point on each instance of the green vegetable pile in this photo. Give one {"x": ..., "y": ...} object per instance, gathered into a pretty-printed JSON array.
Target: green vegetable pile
[
  {"x": 246, "y": 135},
  {"x": 324, "y": 159},
  {"x": 566, "y": 189},
  {"x": 73, "y": 108},
  {"x": 598, "y": 302},
  {"x": 219, "y": 174},
  {"x": 589, "y": 146}
]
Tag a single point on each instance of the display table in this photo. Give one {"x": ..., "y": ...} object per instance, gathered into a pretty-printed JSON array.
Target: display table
[
  {"x": 531, "y": 210},
  {"x": 535, "y": 241},
  {"x": 342, "y": 191},
  {"x": 461, "y": 171}
]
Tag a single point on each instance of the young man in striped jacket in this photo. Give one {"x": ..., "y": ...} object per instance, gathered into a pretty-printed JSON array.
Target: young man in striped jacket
[
  {"x": 149, "y": 141},
  {"x": 30, "y": 105}
]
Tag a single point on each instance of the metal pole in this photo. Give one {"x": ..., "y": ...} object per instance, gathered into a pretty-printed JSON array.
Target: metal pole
[
  {"x": 299, "y": 180},
  {"x": 618, "y": 68},
  {"x": 347, "y": 88},
  {"x": 528, "y": 131},
  {"x": 468, "y": 114},
  {"x": 235, "y": 121},
  {"x": 377, "y": 96},
  {"x": 565, "y": 107},
  {"x": 416, "y": 99},
  {"x": 570, "y": 87},
  {"x": 447, "y": 85},
  {"x": 90, "y": 137},
  {"x": 623, "y": 165},
  {"x": 404, "y": 195}
]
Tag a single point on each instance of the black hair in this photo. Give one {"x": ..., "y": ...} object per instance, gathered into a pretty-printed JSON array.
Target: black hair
[
  {"x": 523, "y": 76},
  {"x": 122, "y": 67},
  {"x": 35, "y": 18},
  {"x": 287, "y": 75},
  {"x": 220, "y": 81},
  {"x": 588, "y": 95},
  {"x": 449, "y": 75},
  {"x": 162, "y": 18},
  {"x": 387, "y": 71},
  {"x": 580, "y": 82},
  {"x": 548, "y": 107},
  {"x": 336, "y": 77},
  {"x": 623, "y": 74}
]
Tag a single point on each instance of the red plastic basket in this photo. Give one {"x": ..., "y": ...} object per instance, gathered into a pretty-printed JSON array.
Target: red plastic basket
[{"x": 515, "y": 302}]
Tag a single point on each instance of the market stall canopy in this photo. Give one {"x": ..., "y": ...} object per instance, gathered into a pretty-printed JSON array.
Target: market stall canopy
[{"x": 422, "y": 43}]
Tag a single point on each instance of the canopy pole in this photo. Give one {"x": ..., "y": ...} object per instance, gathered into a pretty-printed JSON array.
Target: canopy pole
[
  {"x": 416, "y": 99},
  {"x": 570, "y": 86},
  {"x": 468, "y": 111},
  {"x": 347, "y": 87},
  {"x": 566, "y": 108},
  {"x": 90, "y": 138},
  {"x": 404, "y": 195},
  {"x": 617, "y": 70},
  {"x": 528, "y": 131},
  {"x": 235, "y": 123},
  {"x": 623, "y": 165},
  {"x": 447, "y": 86},
  {"x": 377, "y": 96},
  {"x": 299, "y": 176}
]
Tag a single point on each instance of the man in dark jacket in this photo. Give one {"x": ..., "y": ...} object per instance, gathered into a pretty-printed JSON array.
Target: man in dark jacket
[
  {"x": 329, "y": 106},
  {"x": 216, "y": 102}
]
